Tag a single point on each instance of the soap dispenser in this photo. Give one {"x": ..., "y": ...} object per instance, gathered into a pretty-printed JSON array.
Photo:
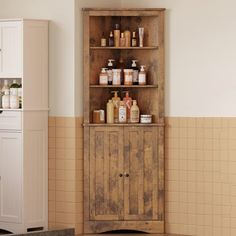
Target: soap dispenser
[
  {"x": 110, "y": 66},
  {"x": 135, "y": 72},
  {"x": 103, "y": 77},
  {"x": 142, "y": 76}
]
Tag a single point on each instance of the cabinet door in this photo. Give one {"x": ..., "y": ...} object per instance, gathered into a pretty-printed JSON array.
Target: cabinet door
[
  {"x": 141, "y": 166},
  {"x": 106, "y": 165},
  {"x": 10, "y": 177},
  {"x": 10, "y": 49}
]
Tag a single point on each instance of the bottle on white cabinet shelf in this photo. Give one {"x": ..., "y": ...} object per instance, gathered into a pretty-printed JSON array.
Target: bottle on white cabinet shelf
[
  {"x": 6, "y": 100},
  {"x": 142, "y": 80},
  {"x": 14, "y": 100},
  {"x": 5, "y": 87},
  {"x": 14, "y": 87},
  {"x": 20, "y": 95}
]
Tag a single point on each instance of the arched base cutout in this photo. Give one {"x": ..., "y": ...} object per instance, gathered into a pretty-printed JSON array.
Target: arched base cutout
[
  {"x": 124, "y": 231},
  {"x": 2, "y": 231}
]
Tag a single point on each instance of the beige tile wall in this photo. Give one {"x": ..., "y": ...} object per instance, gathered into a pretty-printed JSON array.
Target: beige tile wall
[
  {"x": 65, "y": 173},
  {"x": 200, "y": 175}
]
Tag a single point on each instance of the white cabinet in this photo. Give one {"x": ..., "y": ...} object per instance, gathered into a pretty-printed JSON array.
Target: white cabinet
[
  {"x": 10, "y": 49},
  {"x": 10, "y": 177},
  {"x": 24, "y": 132}
]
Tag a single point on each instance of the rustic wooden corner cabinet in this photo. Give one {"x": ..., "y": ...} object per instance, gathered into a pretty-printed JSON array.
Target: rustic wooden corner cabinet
[{"x": 124, "y": 163}]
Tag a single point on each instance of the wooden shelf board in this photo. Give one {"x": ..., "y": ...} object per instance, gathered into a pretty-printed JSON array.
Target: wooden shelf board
[
  {"x": 124, "y": 125},
  {"x": 123, "y": 86},
  {"x": 124, "y": 48}
]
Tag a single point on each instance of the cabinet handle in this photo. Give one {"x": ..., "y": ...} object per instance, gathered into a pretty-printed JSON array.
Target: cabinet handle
[
  {"x": 126, "y": 174},
  {"x": 120, "y": 175}
]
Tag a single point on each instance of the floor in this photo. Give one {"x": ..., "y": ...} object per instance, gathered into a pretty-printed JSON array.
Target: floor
[{"x": 131, "y": 234}]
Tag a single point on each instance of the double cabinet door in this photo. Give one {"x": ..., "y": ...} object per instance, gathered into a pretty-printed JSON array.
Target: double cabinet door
[
  {"x": 126, "y": 173},
  {"x": 10, "y": 49}
]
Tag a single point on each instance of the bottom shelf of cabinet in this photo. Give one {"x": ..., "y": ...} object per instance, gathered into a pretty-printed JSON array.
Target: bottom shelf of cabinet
[{"x": 102, "y": 226}]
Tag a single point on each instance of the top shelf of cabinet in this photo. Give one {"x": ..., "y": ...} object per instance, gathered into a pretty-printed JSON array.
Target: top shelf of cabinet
[{"x": 125, "y": 48}]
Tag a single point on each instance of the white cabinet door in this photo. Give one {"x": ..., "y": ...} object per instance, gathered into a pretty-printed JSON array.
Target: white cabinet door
[
  {"x": 11, "y": 177},
  {"x": 10, "y": 49}
]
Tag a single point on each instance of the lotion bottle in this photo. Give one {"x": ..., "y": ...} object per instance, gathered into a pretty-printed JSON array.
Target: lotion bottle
[
  {"x": 128, "y": 103},
  {"x": 110, "y": 112},
  {"x": 134, "y": 113},
  {"x": 116, "y": 103},
  {"x": 142, "y": 76}
]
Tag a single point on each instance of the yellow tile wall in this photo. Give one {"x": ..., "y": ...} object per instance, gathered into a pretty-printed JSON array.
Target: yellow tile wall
[
  {"x": 65, "y": 173},
  {"x": 200, "y": 175}
]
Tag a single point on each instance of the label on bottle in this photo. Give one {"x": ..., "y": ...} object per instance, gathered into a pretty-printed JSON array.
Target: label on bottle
[
  {"x": 109, "y": 73},
  {"x": 135, "y": 76},
  {"x": 103, "y": 79},
  {"x": 14, "y": 91},
  {"x": 134, "y": 43},
  {"x": 14, "y": 102},
  {"x": 128, "y": 78},
  {"x": 134, "y": 118},
  {"x": 103, "y": 42},
  {"x": 116, "y": 76},
  {"x": 142, "y": 78},
  {"x": 122, "y": 114}
]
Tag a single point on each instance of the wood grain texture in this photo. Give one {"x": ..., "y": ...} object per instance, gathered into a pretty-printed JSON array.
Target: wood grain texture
[
  {"x": 104, "y": 226},
  {"x": 105, "y": 167},
  {"x": 124, "y": 163}
]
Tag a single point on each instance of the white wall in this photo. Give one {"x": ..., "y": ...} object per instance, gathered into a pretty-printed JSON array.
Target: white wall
[
  {"x": 61, "y": 46},
  {"x": 200, "y": 56},
  {"x": 200, "y": 52}
]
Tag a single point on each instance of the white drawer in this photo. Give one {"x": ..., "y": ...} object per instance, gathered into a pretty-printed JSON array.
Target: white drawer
[{"x": 10, "y": 120}]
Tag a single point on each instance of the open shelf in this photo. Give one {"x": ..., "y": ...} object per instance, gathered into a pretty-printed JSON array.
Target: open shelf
[
  {"x": 125, "y": 48},
  {"x": 123, "y": 86}
]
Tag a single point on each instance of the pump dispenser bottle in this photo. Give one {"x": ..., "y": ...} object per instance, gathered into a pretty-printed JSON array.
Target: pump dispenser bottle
[
  {"x": 110, "y": 66},
  {"x": 116, "y": 103},
  {"x": 135, "y": 72},
  {"x": 142, "y": 80},
  {"x": 103, "y": 77}
]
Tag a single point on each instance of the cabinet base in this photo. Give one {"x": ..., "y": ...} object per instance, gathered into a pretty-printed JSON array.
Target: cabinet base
[{"x": 105, "y": 226}]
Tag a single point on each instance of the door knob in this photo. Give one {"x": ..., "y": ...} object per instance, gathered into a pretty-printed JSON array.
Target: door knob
[
  {"x": 120, "y": 175},
  {"x": 126, "y": 174}
]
